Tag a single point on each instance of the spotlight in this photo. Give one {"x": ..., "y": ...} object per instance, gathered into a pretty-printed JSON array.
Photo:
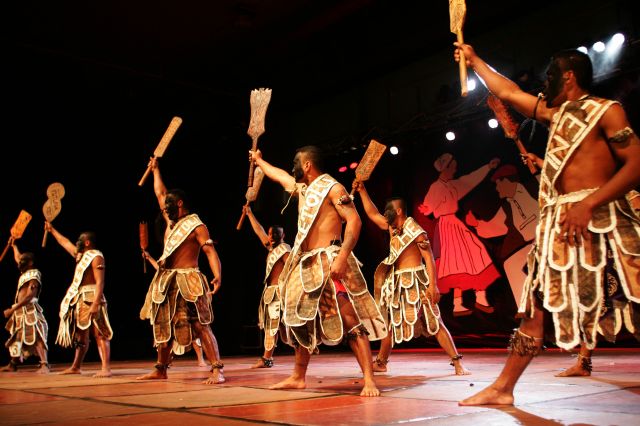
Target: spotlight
[
  {"x": 450, "y": 136},
  {"x": 615, "y": 43},
  {"x": 353, "y": 165},
  {"x": 393, "y": 150},
  {"x": 471, "y": 84},
  {"x": 583, "y": 49},
  {"x": 599, "y": 46},
  {"x": 493, "y": 123},
  {"x": 342, "y": 169}
]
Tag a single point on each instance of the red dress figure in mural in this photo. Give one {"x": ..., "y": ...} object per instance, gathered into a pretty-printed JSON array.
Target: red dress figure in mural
[{"x": 462, "y": 261}]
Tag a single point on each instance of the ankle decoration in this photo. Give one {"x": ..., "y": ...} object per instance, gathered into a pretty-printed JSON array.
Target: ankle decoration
[
  {"x": 267, "y": 362},
  {"x": 524, "y": 345},
  {"x": 357, "y": 331},
  {"x": 161, "y": 367},
  {"x": 44, "y": 364},
  {"x": 585, "y": 363},
  {"x": 381, "y": 362},
  {"x": 455, "y": 358},
  {"x": 217, "y": 365}
]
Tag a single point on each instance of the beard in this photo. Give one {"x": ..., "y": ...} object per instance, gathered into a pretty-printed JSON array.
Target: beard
[
  {"x": 298, "y": 174},
  {"x": 172, "y": 213},
  {"x": 390, "y": 216}
]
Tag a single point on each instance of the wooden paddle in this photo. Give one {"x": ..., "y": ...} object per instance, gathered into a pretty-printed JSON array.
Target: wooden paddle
[
  {"x": 457, "y": 14},
  {"x": 252, "y": 193},
  {"x": 17, "y": 230},
  {"x": 144, "y": 243},
  {"x": 509, "y": 126},
  {"x": 53, "y": 205},
  {"x": 163, "y": 144},
  {"x": 259, "y": 102},
  {"x": 369, "y": 161}
]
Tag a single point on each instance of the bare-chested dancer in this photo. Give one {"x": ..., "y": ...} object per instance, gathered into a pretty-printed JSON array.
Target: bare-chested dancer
[
  {"x": 181, "y": 313},
  {"x": 592, "y": 160},
  {"x": 325, "y": 296}
]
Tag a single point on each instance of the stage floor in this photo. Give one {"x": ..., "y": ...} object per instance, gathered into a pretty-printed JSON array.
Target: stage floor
[{"x": 419, "y": 388}]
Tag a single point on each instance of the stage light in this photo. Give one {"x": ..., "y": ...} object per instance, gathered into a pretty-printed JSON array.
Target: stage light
[
  {"x": 599, "y": 46},
  {"x": 450, "y": 136},
  {"x": 615, "y": 43},
  {"x": 493, "y": 123},
  {"x": 353, "y": 165},
  {"x": 342, "y": 169},
  {"x": 583, "y": 49},
  {"x": 471, "y": 84},
  {"x": 393, "y": 150}
]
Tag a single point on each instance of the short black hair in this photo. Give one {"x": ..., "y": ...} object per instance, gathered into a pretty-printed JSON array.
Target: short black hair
[
  {"x": 180, "y": 195},
  {"x": 314, "y": 154},
  {"x": 578, "y": 62}
]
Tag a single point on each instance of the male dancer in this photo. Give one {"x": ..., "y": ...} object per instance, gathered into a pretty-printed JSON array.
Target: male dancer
[
  {"x": 592, "y": 160},
  {"x": 325, "y": 295},
  {"x": 405, "y": 282},
  {"x": 178, "y": 302},
  {"x": 27, "y": 326},
  {"x": 84, "y": 305},
  {"x": 270, "y": 308}
]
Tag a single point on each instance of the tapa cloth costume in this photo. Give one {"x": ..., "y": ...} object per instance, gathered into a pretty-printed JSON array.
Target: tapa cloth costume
[
  {"x": 177, "y": 297},
  {"x": 402, "y": 293},
  {"x": 27, "y": 325},
  {"x": 270, "y": 308},
  {"x": 462, "y": 261},
  {"x": 311, "y": 310},
  {"x": 76, "y": 305},
  {"x": 571, "y": 280}
]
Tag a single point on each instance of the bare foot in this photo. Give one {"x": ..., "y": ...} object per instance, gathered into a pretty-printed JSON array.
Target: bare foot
[
  {"x": 370, "y": 389},
  {"x": 216, "y": 378},
  {"x": 290, "y": 383},
  {"x": 44, "y": 369},
  {"x": 489, "y": 396},
  {"x": 155, "y": 374},
  {"x": 460, "y": 370},
  {"x": 379, "y": 368},
  {"x": 102, "y": 373},
  {"x": 575, "y": 370},
  {"x": 9, "y": 368},
  {"x": 71, "y": 370},
  {"x": 261, "y": 363}
]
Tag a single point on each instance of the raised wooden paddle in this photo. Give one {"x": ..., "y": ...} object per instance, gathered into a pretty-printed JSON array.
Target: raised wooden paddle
[
  {"x": 53, "y": 205},
  {"x": 163, "y": 144},
  {"x": 369, "y": 161},
  {"x": 252, "y": 193},
  {"x": 457, "y": 14},
  {"x": 259, "y": 101},
  {"x": 17, "y": 230},
  {"x": 509, "y": 126}
]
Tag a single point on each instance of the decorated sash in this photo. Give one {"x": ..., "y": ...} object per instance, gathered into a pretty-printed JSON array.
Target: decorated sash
[
  {"x": 181, "y": 230},
  {"x": 64, "y": 330},
  {"x": 273, "y": 257},
  {"x": 31, "y": 274},
  {"x": 569, "y": 126},
  {"x": 309, "y": 207}
]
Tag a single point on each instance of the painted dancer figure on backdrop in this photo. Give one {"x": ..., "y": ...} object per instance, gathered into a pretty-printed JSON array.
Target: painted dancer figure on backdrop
[
  {"x": 405, "y": 283},
  {"x": 178, "y": 303},
  {"x": 84, "y": 306},
  {"x": 325, "y": 296},
  {"x": 196, "y": 344},
  {"x": 462, "y": 261},
  {"x": 27, "y": 325},
  {"x": 587, "y": 228},
  {"x": 270, "y": 308},
  {"x": 516, "y": 220}
]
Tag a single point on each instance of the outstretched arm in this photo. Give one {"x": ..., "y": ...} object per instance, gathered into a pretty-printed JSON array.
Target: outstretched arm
[
  {"x": 61, "y": 239},
  {"x": 158, "y": 184},
  {"x": 257, "y": 228},
  {"x": 272, "y": 172},
  {"x": 370, "y": 208},
  {"x": 16, "y": 251},
  {"x": 502, "y": 87}
]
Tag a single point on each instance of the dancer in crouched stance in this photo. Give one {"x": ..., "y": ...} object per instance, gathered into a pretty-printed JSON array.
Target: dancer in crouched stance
[{"x": 405, "y": 283}]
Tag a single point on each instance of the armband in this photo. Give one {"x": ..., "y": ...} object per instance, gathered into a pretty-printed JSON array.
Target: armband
[
  {"x": 621, "y": 135},
  {"x": 345, "y": 199},
  {"x": 424, "y": 245},
  {"x": 100, "y": 266},
  {"x": 209, "y": 242}
]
